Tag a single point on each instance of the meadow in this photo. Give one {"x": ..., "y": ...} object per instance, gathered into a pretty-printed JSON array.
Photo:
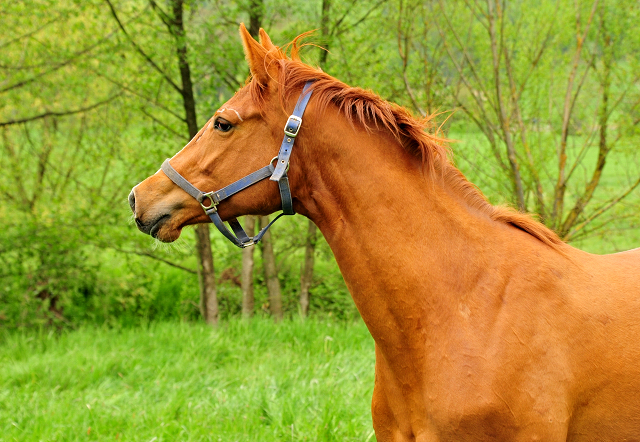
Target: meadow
[{"x": 244, "y": 381}]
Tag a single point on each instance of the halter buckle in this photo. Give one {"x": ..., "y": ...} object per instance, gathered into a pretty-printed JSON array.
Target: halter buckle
[{"x": 292, "y": 127}]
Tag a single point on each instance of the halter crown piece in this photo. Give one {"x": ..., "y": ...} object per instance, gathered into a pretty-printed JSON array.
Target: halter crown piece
[{"x": 276, "y": 173}]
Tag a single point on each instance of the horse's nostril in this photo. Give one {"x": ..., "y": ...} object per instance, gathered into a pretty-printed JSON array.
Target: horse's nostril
[
  {"x": 132, "y": 201},
  {"x": 138, "y": 222}
]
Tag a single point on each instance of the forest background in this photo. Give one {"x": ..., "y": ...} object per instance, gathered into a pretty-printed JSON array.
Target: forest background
[{"x": 544, "y": 103}]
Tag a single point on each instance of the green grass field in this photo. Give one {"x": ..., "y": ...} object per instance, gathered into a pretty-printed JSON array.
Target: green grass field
[{"x": 245, "y": 381}]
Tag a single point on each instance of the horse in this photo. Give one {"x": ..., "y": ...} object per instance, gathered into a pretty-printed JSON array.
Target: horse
[{"x": 486, "y": 325}]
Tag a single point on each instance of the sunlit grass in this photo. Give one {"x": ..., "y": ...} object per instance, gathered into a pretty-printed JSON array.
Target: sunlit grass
[{"x": 254, "y": 381}]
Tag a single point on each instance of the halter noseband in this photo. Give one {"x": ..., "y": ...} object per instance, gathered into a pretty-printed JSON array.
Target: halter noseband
[{"x": 274, "y": 173}]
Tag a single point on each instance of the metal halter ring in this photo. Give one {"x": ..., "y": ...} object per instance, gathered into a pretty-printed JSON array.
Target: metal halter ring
[
  {"x": 213, "y": 204},
  {"x": 274, "y": 159}
]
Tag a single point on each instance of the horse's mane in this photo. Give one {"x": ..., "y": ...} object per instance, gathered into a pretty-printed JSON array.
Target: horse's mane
[{"x": 371, "y": 111}]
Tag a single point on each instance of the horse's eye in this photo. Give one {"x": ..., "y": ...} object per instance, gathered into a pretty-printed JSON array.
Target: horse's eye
[{"x": 222, "y": 125}]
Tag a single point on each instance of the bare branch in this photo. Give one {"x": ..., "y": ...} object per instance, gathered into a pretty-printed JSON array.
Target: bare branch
[
  {"x": 600, "y": 211},
  {"x": 594, "y": 228},
  {"x": 58, "y": 66},
  {"x": 360, "y": 20},
  {"x": 30, "y": 33},
  {"x": 346, "y": 13},
  {"x": 488, "y": 132},
  {"x": 58, "y": 113},
  {"x": 543, "y": 46},
  {"x": 496, "y": 14},
  {"x": 581, "y": 154},
  {"x": 467, "y": 58},
  {"x": 181, "y": 136},
  {"x": 15, "y": 172},
  {"x": 227, "y": 78},
  {"x": 141, "y": 52},
  {"x": 480, "y": 14},
  {"x": 168, "y": 22},
  {"x": 569, "y": 101},
  {"x": 137, "y": 94},
  {"x": 537, "y": 184},
  {"x": 404, "y": 41},
  {"x": 152, "y": 256}
]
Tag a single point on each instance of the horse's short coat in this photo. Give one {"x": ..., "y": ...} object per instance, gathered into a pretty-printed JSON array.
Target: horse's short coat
[{"x": 487, "y": 326}]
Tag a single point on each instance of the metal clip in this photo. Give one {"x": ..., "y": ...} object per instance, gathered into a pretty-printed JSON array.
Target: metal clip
[{"x": 292, "y": 127}]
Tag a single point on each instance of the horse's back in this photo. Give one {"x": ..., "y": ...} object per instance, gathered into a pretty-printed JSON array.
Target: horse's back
[
  {"x": 606, "y": 350},
  {"x": 617, "y": 279}
]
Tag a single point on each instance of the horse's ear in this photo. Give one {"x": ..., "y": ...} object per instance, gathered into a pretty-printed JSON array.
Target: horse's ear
[
  {"x": 265, "y": 41},
  {"x": 255, "y": 54}
]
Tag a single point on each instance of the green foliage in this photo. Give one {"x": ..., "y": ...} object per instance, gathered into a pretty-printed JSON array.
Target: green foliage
[
  {"x": 44, "y": 276},
  {"x": 246, "y": 381},
  {"x": 84, "y": 116}
]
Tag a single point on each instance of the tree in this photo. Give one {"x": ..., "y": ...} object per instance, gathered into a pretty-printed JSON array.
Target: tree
[
  {"x": 56, "y": 182},
  {"x": 246, "y": 280},
  {"x": 256, "y": 13},
  {"x": 271, "y": 272},
  {"x": 329, "y": 29},
  {"x": 509, "y": 71},
  {"x": 174, "y": 23},
  {"x": 306, "y": 277}
]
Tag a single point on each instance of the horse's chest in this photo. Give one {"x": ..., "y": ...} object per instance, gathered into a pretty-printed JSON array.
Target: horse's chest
[
  {"x": 470, "y": 402},
  {"x": 463, "y": 417}
]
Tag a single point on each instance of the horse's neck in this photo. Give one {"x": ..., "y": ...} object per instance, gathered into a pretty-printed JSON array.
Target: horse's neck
[{"x": 405, "y": 243}]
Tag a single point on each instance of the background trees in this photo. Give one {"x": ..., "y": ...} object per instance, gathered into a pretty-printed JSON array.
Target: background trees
[
  {"x": 95, "y": 94},
  {"x": 538, "y": 83}
]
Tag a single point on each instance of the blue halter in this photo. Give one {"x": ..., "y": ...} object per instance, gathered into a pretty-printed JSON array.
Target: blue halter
[{"x": 276, "y": 173}]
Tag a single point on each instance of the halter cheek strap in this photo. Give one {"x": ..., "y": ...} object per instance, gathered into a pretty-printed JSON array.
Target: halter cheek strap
[
  {"x": 291, "y": 129},
  {"x": 210, "y": 200}
]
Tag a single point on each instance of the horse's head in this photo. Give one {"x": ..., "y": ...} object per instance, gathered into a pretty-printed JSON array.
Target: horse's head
[{"x": 243, "y": 136}]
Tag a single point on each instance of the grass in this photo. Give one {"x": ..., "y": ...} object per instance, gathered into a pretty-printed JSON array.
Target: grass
[{"x": 246, "y": 381}]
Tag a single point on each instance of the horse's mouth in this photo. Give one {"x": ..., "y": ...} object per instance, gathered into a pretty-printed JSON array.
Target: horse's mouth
[
  {"x": 154, "y": 228},
  {"x": 158, "y": 225}
]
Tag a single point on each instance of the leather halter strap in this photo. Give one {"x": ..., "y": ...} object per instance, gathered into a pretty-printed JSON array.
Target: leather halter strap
[{"x": 275, "y": 173}]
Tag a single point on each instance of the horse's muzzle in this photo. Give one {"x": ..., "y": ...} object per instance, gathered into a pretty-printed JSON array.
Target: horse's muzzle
[{"x": 150, "y": 227}]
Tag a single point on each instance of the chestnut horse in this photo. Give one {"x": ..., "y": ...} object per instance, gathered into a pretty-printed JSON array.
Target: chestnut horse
[{"x": 486, "y": 325}]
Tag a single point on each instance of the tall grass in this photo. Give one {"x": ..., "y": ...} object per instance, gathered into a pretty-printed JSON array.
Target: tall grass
[{"x": 246, "y": 381}]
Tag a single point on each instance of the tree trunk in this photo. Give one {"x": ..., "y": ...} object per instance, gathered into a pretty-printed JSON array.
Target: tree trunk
[
  {"x": 206, "y": 275},
  {"x": 208, "y": 298},
  {"x": 306, "y": 276},
  {"x": 603, "y": 145},
  {"x": 256, "y": 12},
  {"x": 175, "y": 25},
  {"x": 495, "y": 14},
  {"x": 307, "y": 272},
  {"x": 324, "y": 32},
  {"x": 270, "y": 272},
  {"x": 247, "y": 270}
]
